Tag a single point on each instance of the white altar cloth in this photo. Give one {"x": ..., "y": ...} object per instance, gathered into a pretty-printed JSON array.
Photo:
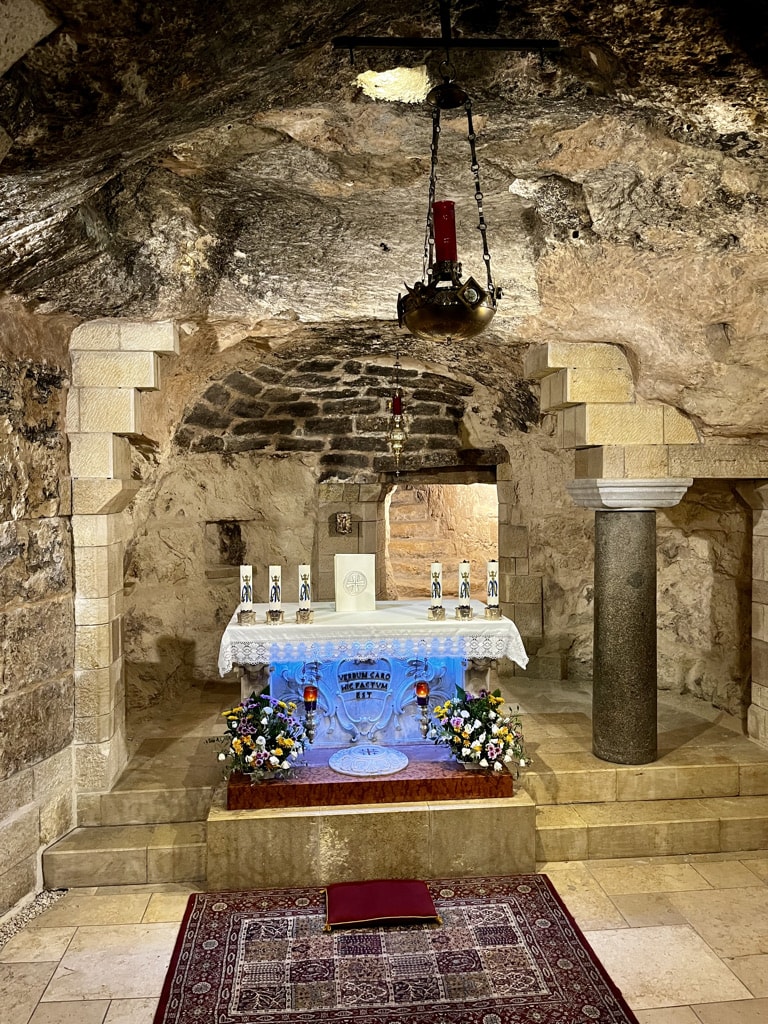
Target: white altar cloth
[{"x": 398, "y": 629}]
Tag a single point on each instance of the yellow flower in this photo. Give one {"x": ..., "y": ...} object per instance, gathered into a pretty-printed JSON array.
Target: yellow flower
[
  {"x": 278, "y": 751},
  {"x": 282, "y": 704},
  {"x": 291, "y": 706},
  {"x": 237, "y": 746},
  {"x": 247, "y": 741}
]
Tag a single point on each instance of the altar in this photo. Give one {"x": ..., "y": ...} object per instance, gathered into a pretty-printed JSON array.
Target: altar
[{"x": 365, "y": 665}]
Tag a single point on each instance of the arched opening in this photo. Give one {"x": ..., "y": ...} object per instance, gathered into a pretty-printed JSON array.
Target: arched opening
[{"x": 439, "y": 523}]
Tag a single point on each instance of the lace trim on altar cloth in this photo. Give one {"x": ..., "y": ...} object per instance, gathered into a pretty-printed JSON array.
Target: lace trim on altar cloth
[{"x": 472, "y": 646}]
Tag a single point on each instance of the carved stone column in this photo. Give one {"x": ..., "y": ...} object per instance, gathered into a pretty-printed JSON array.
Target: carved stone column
[{"x": 624, "y": 656}]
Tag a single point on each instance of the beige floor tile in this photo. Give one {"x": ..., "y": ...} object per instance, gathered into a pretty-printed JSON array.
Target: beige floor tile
[
  {"x": 753, "y": 971},
  {"x": 668, "y": 1015},
  {"x": 647, "y": 909},
  {"x": 114, "y": 962},
  {"x": 664, "y": 967},
  {"x": 131, "y": 1011},
  {"x": 166, "y": 906},
  {"x": 728, "y": 874},
  {"x": 89, "y": 1011},
  {"x": 594, "y": 910},
  {"x": 76, "y": 909},
  {"x": 583, "y": 897},
  {"x": 733, "y": 921},
  {"x": 637, "y": 878},
  {"x": 36, "y": 946},
  {"x": 21, "y": 986},
  {"x": 751, "y": 1011},
  {"x": 759, "y": 865}
]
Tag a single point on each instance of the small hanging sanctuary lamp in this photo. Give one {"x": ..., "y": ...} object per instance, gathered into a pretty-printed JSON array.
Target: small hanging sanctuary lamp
[{"x": 397, "y": 431}]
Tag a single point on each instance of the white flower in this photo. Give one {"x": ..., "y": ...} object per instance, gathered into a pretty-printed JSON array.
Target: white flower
[
  {"x": 483, "y": 762},
  {"x": 498, "y": 767},
  {"x": 494, "y": 730},
  {"x": 507, "y": 757},
  {"x": 477, "y": 724},
  {"x": 522, "y": 762},
  {"x": 268, "y": 710},
  {"x": 465, "y": 714},
  {"x": 260, "y": 741},
  {"x": 492, "y": 715},
  {"x": 274, "y": 760},
  {"x": 481, "y": 739},
  {"x": 263, "y": 721},
  {"x": 222, "y": 756},
  {"x": 286, "y": 764},
  {"x": 465, "y": 751}
]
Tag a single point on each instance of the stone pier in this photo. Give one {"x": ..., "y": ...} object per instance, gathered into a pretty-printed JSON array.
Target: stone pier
[{"x": 624, "y": 657}]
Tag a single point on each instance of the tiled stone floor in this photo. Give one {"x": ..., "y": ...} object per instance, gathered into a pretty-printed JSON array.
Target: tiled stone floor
[
  {"x": 685, "y": 938},
  {"x": 686, "y": 942}
]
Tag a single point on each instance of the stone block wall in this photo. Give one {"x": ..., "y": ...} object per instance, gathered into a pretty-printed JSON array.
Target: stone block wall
[{"x": 36, "y": 623}]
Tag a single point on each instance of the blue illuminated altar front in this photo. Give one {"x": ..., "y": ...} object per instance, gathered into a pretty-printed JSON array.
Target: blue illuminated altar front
[
  {"x": 366, "y": 664},
  {"x": 371, "y": 699}
]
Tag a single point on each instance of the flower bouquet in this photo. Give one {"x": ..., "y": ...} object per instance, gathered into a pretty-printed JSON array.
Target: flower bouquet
[
  {"x": 479, "y": 733},
  {"x": 263, "y": 739}
]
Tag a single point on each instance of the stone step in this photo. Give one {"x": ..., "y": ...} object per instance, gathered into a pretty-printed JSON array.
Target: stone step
[
  {"x": 145, "y": 806},
  {"x": 127, "y": 855},
  {"x": 578, "y": 777},
  {"x": 651, "y": 828}
]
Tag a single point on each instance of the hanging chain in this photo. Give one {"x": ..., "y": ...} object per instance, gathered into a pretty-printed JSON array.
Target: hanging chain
[
  {"x": 475, "y": 166},
  {"x": 429, "y": 238}
]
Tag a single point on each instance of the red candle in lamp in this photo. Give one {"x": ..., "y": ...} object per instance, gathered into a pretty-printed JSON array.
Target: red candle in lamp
[
  {"x": 422, "y": 694},
  {"x": 444, "y": 218},
  {"x": 310, "y": 697},
  {"x": 397, "y": 404}
]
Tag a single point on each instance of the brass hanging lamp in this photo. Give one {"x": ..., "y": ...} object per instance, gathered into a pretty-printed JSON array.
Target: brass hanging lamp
[{"x": 441, "y": 305}]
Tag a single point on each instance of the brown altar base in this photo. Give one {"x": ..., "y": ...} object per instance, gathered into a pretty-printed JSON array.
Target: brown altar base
[
  {"x": 317, "y": 785},
  {"x": 506, "y": 952}
]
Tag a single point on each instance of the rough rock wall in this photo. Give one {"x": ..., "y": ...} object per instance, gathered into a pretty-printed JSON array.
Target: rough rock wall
[
  {"x": 194, "y": 524},
  {"x": 36, "y": 608},
  {"x": 704, "y": 566}
]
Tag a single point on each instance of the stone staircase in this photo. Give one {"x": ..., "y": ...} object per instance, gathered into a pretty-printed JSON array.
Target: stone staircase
[
  {"x": 151, "y": 828},
  {"x": 707, "y": 793},
  {"x": 707, "y": 797}
]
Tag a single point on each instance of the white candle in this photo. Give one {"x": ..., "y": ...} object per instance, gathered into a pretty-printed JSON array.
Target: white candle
[
  {"x": 436, "y": 584},
  {"x": 305, "y": 586},
  {"x": 464, "y": 584},
  {"x": 275, "y": 587},
  {"x": 246, "y": 587},
  {"x": 492, "y": 584}
]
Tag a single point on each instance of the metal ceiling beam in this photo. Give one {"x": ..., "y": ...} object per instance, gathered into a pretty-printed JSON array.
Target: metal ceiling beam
[{"x": 447, "y": 40}]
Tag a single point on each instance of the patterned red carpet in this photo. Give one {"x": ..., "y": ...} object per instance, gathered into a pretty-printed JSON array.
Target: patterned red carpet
[{"x": 506, "y": 952}]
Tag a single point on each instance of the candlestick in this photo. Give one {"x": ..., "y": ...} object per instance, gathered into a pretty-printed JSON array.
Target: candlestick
[
  {"x": 436, "y": 574},
  {"x": 436, "y": 610},
  {"x": 464, "y": 589},
  {"x": 464, "y": 608},
  {"x": 275, "y": 587},
  {"x": 305, "y": 586},
  {"x": 492, "y": 584},
  {"x": 310, "y": 706},
  {"x": 246, "y": 588},
  {"x": 422, "y": 699}
]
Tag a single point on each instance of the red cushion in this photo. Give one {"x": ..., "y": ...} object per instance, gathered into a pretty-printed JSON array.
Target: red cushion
[{"x": 381, "y": 900}]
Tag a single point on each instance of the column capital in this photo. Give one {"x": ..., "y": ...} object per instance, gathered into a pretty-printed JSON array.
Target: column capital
[{"x": 628, "y": 495}]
